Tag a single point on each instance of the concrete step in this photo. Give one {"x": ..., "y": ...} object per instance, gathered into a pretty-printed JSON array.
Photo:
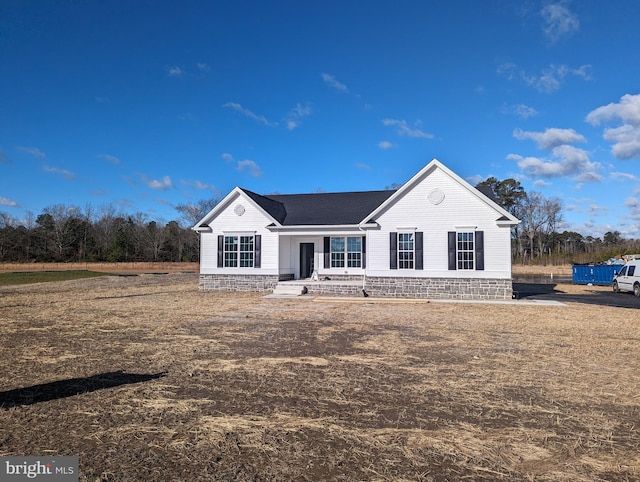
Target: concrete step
[{"x": 289, "y": 290}]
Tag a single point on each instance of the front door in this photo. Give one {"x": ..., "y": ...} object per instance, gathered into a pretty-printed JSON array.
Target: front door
[{"x": 306, "y": 260}]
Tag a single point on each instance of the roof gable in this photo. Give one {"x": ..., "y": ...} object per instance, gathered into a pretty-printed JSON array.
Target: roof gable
[{"x": 488, "y": 198}]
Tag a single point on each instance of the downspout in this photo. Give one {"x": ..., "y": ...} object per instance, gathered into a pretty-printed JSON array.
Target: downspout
[{"x": 364, "y": 271}]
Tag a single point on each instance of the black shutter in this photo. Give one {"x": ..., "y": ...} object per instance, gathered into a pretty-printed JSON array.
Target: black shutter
[
  {"x": 257, "y": 255},
  {"x": 419, "y": 251},
  {"x": 393, "y": 250},
  {"x": 220, "y": 251},
  {"x": 327, "y": 252},
  {"x": 452, "y": 250},
  {"x": 364, "y": 252},
  {"x": 479, "y": 250}
]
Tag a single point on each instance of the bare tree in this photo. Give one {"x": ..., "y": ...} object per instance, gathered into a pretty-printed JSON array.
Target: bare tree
[{"x": 192, "y": 213}]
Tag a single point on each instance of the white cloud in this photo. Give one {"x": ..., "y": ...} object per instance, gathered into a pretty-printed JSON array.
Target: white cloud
[
  {"x": 7, "y": 202},
  {"x": 362, "y": 166},
  {"x": 623, "y": 176},
  {"x": 110, "y": 158},
  {"x": 549, "y": 80},
  {"x": 175, "y": 71},
  {"x": 33, "y": 151},
  {"x": 566, "y": 160},
  {"x": 551, "y": 137},
  {"x": 559, "y": 21},
  {"x": 249, "y": 166},
  {"x": 541, "y": 183},
  {"x": 475, "y": 179},
  {"x": 385, "y": 145},
  {"x": 161, "y": 184},
  {"x": 524, "y": 111},
  {"x": 632, "y": 202},
  {"x": 625, "y": 138},
  {"x": 627, "y": 110},
  {"x": 331, "y": 81},
  {"x": 203, "y": 67},
  {"x": 295, "y": 116},
  {"x": 238, "y": 108},
  {"x": 199, "y": 185},
  {"x": 404, "y": 129},
  {"x": 62, "y": 172}
]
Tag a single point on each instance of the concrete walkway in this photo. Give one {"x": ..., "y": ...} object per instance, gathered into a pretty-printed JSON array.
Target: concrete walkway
[{"x": 351, "y": 299}]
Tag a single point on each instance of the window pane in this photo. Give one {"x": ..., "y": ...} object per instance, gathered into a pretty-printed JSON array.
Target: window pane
[
  {"x": 231, "y": 243},
  {"x": 354, "y": 245},
  {"x": 405, "y": 250},
  {"x": 465, "y": 250},
  {"x": 337, "y": 260},
  {"x": 337, "y": 244},
  {"x": 246, "y": 251},
  {"x": 230, "y": 260},
  {"x": 354, "y": 260},
  {"x": 231, "y": 251},
  {"x": 246, "y": 243}
]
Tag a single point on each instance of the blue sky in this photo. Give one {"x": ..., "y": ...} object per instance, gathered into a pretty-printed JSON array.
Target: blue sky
[{"x": 148, "y": 104}]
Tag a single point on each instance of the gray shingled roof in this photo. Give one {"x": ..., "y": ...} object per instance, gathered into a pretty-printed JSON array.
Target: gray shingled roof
[
  {"x": 320, "y": 209},
  {"x": 325, "y": 209}
]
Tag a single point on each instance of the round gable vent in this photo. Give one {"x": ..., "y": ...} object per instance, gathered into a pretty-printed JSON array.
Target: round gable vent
[
  {"x": 239, "y": 210},
  {"x": 436, "y": 196}
]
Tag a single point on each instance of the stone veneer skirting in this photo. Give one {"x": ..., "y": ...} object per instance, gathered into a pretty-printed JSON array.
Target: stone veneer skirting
[
  {"x": 238, "y": 282},
  {"x": 441, "y": 288},
  {"x": 376, "y": 286}
]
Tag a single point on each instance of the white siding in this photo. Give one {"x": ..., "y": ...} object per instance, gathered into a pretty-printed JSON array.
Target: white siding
[
  {"x": 253, "y": 221},
  {"x": 458, "y": 208}
]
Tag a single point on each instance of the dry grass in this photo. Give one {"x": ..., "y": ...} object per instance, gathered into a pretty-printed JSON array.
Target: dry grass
[
  {"x": 147, "y": 267},
  {"x": 158, "y": 381},
  {"x": 558, "y": 271}
]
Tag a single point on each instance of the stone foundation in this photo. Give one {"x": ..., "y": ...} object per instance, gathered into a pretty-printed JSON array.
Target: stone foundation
[
  {"x": 233, "y": 282},
  {"x": 376, "y": 286},
  {"x": 440, "y": 288}
]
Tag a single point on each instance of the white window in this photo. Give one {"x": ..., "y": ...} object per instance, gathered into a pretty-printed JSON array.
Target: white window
[
  {"x": 238, "y": 251},
  {"x": 346, "y": 252},
  {"x": 405, "y": 250},
  {"x": 465, "y": 249}
]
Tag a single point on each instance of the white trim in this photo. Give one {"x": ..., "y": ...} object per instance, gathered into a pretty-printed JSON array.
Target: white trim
[{"x": 222, "y": 205}]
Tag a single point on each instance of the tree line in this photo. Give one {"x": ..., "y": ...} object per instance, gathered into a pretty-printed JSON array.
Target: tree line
[
  {"x": 64, "y": 233},
  {"x": 538, "y": 239}
]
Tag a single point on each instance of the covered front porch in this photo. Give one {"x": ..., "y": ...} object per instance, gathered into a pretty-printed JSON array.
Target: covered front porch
[{"x": 320, "y": 254}]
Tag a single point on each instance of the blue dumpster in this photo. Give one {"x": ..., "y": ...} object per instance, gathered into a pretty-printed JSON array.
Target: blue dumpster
[{"x": 599, "y": 274}]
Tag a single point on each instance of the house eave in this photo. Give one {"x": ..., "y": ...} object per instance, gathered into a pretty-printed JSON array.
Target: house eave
[{"x": 324, "y": 228}]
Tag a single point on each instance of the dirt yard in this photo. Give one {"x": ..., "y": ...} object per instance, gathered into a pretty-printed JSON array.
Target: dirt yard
[{"x": 146, "y": 378}]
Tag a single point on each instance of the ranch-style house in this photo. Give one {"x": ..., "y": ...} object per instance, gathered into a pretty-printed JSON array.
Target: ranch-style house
[{"x": 435, "y": 237}]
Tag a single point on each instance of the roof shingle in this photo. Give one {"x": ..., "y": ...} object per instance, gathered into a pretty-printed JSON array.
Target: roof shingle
[{"x": 319, "y": 209}]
